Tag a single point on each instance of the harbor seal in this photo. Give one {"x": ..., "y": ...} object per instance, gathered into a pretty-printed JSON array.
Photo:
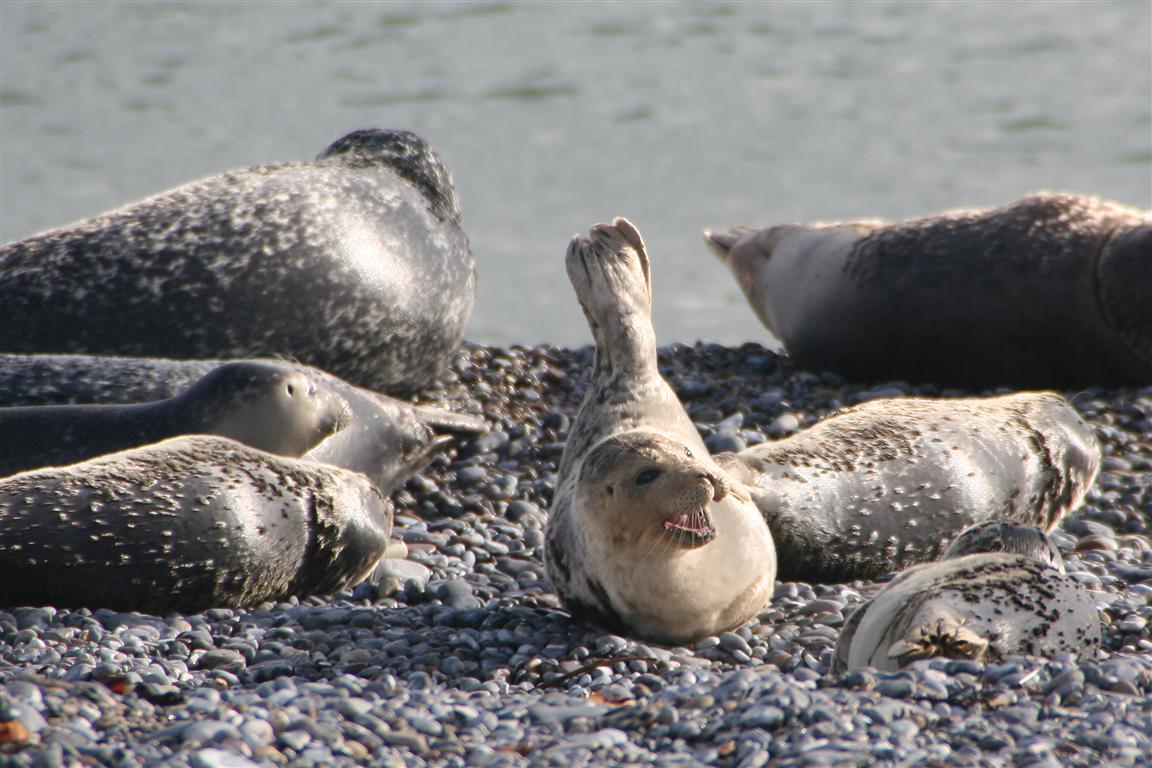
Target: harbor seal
[
  {"x": 981, "y": 606},
  {"x": 889, "y": 483},
  {"x": 184, "y": 525},
  {"x": 355, "y": 263},
  {"x": 1050, "y": 291},
  {"x": 271, "y": 408},
  {"x": 386, "y": 439},
  {"x": 646, "y": 534}
]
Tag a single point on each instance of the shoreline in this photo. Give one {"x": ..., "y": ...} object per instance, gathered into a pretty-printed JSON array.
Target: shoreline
[{"x": 471, "y": 662}]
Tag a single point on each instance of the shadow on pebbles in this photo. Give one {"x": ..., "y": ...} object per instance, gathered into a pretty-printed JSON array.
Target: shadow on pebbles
[{"x": 456, "y": 652}]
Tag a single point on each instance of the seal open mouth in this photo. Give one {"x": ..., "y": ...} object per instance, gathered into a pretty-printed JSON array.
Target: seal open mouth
[{"x": 691, "y": 528}]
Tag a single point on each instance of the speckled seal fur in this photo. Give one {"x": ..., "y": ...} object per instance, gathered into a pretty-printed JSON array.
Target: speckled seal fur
[
  {"x": 272, "y": 408},
  {"x": 385, "y": 438},
  {"x": 1013, "y": 538},
  {"x": 982, "y": 606},
  {"x": 646, "y": 534},
  {"x": 185, "y": 525},
  {"x": 355, "y": 263},
  {"x": 1050, "y": 291},
  {"x": 889, "y": 483}
]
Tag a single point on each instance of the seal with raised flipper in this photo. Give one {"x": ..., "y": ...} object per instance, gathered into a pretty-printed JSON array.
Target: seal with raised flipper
[
  {"x": 270, "y": 407},
  {"x": 889, "y": 483},
  {"x": 184, "y": 525},
  {"x": 355, "y": 263},
  {"x": 385, "y": 438},
  {"x": 646, "y": 534},
  {"x": 983, "y": 605},
  {"x": 1053, "y": 290}
]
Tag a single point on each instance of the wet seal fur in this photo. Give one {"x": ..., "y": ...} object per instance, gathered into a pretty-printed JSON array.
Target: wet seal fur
[
  {"x": 185, "y": 525},
  {"x": 646, "y": 534},
  {"x": 1050, "y": 291},
  {"x": 981, "y": 606},
  {"x": 386, "y": 439},
  {"x": 355, "y": 263},
  {"x": 887, "y": 484},
  {"x": 268, "y": 407}
]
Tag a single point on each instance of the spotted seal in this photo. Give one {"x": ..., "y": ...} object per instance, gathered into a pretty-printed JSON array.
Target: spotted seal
[
  {"x": 272, "y": 408},
  {"x": 385, "y": 438},
  {"x": 981, "y": 606},
  {"x": 646, "y": 534},
  {"x": 889, "y": 483},
  {"x": 355, "y": 263},
  {"x": 184, "y": 525},
  {"x": 1050, "y": 291}
]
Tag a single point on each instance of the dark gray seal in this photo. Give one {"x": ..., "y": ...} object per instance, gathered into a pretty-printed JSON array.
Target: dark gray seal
[
  {"x": 646, "y": 534},
  {"x": 385, "y": 438},
  {"x": 982, "y": 605},
  {"x": 185, "y": 525},
  {"x": 1050, "y": 291},
  {"x": 355, "y": 263},
  {"x": 272, "y": 408},
  {"x": 889, "y": 483}
]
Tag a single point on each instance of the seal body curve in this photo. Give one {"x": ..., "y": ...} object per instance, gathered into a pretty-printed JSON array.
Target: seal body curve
[
  {"x": 185, "y": 525},
  {"x": 646, "y": 535},
  {"x": 889, "y": 483},
  {"x": 268, "y": 407},
  {"x": 384, "y": 438},
  {"x": 355, "y": 263},
  {"x": 1050, "y": 291}
]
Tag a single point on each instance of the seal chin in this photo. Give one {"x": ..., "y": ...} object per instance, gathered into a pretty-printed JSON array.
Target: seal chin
[{"x": 691, "y": 529}]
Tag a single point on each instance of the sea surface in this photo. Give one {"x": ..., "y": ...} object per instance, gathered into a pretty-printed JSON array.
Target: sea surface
[{"x": 554, "y": 116}]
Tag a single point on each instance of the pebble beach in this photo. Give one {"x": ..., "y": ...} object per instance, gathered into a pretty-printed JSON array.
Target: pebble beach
[{"x": 456, "y": 651}]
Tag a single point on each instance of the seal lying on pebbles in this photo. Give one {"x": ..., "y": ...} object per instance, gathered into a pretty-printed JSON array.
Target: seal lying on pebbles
[
  {"x": 981, "y": 606},
  {"x": 185, "y": 525},
  {"x": 646, "y": 534},
  {"x": 887, "y": 484},
  {"x": 269, "y": 407},
  {"x": 1050, "y": 291},
  {"x": 386, "y": 439},
  {"x": 355, "y": 263}
]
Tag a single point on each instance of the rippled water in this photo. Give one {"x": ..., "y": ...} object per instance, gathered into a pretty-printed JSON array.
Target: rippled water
[{"x": 555, "y": 116}]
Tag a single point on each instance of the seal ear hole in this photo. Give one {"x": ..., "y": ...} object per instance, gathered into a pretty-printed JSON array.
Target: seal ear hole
[{"x": 645, "y": 476}]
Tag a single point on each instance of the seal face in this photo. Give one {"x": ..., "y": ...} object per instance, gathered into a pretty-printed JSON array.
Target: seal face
[
  {"x": 384, "y": 438},
  {"x": 938, "y": 299},
  {"x": 272, "y": 408},
  {"x": 981, "y": 606},
  {"x": 646, "y": 535},
  {"x": 889, "y": 483},
  {"x": 185, "y": 525},
  {"x": 355, "y": 263}
]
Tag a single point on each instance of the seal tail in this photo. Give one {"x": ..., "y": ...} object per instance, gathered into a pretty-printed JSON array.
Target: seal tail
[
  {"x": 439, "y": 420},
  {"x": 721, "y": 242},
  {"x": 611, "y": 274}
]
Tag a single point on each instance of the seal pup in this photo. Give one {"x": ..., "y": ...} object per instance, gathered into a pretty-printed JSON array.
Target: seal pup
[
  {"x": 646, "y": 534},
  {"x": 355, "y": 263},
  {"x": 185, "y": 525},
  {"x": 385, "y": 438},
  {"x": 981, "y": 606},
  {"x": 889, "y": 483},
  {"x": 1050, "y": 291},
  {"x": 271, "y": 408}
]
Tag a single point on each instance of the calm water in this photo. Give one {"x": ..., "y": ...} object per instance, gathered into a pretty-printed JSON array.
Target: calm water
[{"x": 555, "y": 116}]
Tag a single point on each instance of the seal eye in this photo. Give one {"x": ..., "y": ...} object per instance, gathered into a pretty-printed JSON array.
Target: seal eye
[
  {"x": 688, "y": 452},
  {"x": 646, "y": 476}
]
